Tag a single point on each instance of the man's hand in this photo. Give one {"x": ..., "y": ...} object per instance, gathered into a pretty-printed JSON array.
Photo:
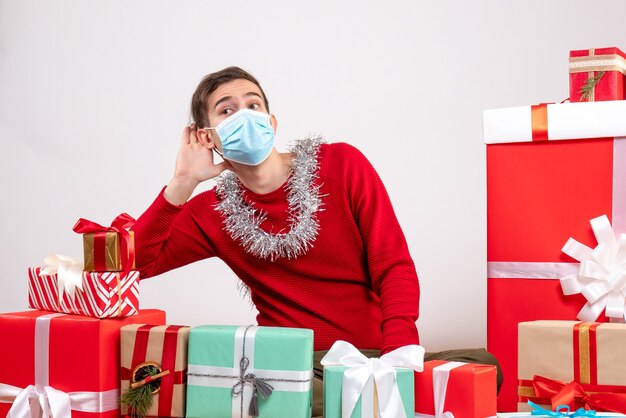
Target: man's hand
[{"x": 194, "y": 164}]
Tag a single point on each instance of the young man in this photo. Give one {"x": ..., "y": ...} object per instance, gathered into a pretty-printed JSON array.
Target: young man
[{"x": 311, "y": 232}]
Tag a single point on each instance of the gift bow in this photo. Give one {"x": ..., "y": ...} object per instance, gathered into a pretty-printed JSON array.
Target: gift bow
[
  {"x": 382, "y": 370},
  {"x": 120, "y": 224},
  {"x": 601, "y": 277},
  {"x": 561, "y": 411},
  {"x": 260, "y": 386},
  {"x": 48, "y": 402},
  {"x": 69, "y": 271},
  {"x": 573, "y": 395}
]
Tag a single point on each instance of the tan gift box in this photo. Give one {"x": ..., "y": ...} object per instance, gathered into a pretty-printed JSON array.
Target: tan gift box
[
  {"x": 578, "y": 363},
  {"x": 164, "y": 347}
]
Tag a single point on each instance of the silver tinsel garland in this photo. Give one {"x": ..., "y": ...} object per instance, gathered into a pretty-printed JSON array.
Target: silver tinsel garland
[{"x": 242, "y": 221}]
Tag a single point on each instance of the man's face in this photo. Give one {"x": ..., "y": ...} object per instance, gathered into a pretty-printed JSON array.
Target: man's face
[{"x": 230, "y": 97}]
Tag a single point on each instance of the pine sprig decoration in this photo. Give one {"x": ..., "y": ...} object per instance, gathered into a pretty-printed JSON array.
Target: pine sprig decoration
[
  {"x": 139, "y": 398},
  {"x": 590, "y": 84}
]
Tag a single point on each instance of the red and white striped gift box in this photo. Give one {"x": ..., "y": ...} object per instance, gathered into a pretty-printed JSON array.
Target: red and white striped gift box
[{"x": 103, "y": 294}]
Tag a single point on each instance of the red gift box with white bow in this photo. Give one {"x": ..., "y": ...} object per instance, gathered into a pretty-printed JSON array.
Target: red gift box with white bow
[
  {"x": 550, "y": 170},
  {"x": 63, "y": 365},
  {"x": 452, "y": 388}
]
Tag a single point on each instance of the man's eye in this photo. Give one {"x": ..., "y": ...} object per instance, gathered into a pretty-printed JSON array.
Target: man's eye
[
  {"x": 254, "y": 106},
  {"x": 226, "y": 111}
]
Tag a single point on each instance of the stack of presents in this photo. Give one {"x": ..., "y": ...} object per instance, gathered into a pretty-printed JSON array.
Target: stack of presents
[
  {"x": 556, "y": 243},
  {"x": 556, "y": 211}
]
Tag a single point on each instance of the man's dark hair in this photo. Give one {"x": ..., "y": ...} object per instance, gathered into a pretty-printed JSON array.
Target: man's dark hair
[{"x": 209, "y": 84}]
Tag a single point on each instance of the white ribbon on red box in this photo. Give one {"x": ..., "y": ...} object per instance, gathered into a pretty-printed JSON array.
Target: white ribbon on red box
[
  {"x": 441, "y": 375},
  {"x": 43, "y": 401}
]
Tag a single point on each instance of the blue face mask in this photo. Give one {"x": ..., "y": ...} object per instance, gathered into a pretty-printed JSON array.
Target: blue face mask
[{"x": 247, "y": 137}]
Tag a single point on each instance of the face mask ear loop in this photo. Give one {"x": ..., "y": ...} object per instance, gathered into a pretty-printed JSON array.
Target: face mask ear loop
[{"x": 215, "y": 148}]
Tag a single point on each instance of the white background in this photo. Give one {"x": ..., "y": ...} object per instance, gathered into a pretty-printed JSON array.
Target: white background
[{"x": 94, "y": 95}]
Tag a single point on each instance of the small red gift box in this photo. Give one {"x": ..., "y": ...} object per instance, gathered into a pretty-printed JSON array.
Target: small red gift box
[
  {"x": 550, "y": 170},
  {"x": 69, "y": 363},
  {"x": 597, "y": 74},
  {"x": 103, "y": 295},
  {"x": 464, "y": 389}
]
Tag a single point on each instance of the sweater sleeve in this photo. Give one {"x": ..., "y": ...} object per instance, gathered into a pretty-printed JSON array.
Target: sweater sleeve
[
  {"x": 390, "y": 265},
  {"x": 169, "y": 236}
]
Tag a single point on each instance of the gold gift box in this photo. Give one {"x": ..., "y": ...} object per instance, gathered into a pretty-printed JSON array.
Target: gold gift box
[{"x": 112, "y": 251}]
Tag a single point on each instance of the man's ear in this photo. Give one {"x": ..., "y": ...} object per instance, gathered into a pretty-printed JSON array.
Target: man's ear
[
  {"x": 206, "y": 138},
  {"x": 273, "y": 122}
]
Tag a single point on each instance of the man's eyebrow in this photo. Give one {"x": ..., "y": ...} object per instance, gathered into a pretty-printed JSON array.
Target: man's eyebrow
[
  {"x": 226, "y": 98},
  {"x": 253, "y": 93},
  {"x": 223, "y": 99}
]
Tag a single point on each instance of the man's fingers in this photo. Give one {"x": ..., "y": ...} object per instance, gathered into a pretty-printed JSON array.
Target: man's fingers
[
  {"x": 193, "y": 138},
  {"x": 184, "y": 139}
]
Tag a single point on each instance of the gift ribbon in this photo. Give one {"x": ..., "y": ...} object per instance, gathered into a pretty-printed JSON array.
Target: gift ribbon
[
  {"x": 69, "y": 271},
  {"x": 441, "y": 375},
  {"x": 601, "y": 278},
  {"x": 574, "y": 395},
  {"x": 607, "y": 62},
  {"x": 43, "y": 401},
  {"x": 379, "y": 370},
  {"x": 244, "y": 375},
  {"x": 119, "y": 225},
  {"x": 539, "y": 122},
  {"x": 585, "y": 353},
  {"x": 560, "y": 411}
]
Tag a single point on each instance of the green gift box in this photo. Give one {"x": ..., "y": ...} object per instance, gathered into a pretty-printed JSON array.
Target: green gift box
[
  {"x": 230, "y": 369},
  {"x": 333, "y": 385}
]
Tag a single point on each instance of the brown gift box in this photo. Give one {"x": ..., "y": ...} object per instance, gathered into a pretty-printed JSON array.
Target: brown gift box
[
  {"x": 592, "y": 354},
  {"x": 112, "y": 251},
  {"x": 166, "y": 347}
]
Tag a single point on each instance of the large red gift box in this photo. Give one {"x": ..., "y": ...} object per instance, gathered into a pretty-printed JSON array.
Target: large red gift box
[
  {"x": 550, "y": 170},
  {"x": 103, "y": 295},
  {"x": 465, "y": 390},
  {"x": 53, "y": 356},
  {"x": 603, "y": 67}
]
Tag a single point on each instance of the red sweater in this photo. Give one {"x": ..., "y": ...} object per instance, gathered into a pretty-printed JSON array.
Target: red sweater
[{"x": 357, "y": 283}]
